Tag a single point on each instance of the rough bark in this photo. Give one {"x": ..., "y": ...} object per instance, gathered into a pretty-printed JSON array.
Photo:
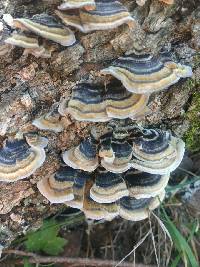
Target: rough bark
[{"x": 29, "y": 86}]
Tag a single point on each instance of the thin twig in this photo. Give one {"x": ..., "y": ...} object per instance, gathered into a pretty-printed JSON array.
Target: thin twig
[
  {"x": 154, "y": 243},
  {"x": 34, "y": 258},
  {"x": 135, "y": 247}
]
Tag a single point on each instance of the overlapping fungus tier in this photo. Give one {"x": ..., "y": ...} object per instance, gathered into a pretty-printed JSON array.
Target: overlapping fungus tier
[
  {"x": 151, "y": 150},
  {"x": 107, "y": 15},
  {"x": 105, "y": 195},
  {"x": 19, "y": 158},
  {"x": 98, "y": 104},
  {"x": 122, "y": 172},
  {"x": 146, "y": 74}
]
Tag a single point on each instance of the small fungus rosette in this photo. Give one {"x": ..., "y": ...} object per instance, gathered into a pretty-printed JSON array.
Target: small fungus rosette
[
  {"x": 20, "y": 158},
  {"x": 84, "y": 156},
  {"x": 50, "y": 121}
]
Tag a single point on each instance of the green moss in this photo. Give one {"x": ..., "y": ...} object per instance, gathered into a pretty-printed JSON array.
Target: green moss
[{"x": 192, "y": 136}]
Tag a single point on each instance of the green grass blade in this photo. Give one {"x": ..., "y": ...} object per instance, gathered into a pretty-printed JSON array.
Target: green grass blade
[{"x": 180, "y": 242}]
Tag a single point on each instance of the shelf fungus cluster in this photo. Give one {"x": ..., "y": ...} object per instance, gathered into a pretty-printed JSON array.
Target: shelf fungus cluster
[
  {"x": 105, "y": 15},
  {"x": 137, "y": 77},
  {"x": 122, "y": 172},
  {"x": 28, "y": 33},
  {"x": 105, "y": 195},
  {"x": 95, "y": 103},
  {"x": 86, "y": 16},
  {"x": 21, "y": 157}
]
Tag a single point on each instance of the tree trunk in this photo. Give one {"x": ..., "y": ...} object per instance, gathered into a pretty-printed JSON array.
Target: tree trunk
[{"x": 29, "y": 86}]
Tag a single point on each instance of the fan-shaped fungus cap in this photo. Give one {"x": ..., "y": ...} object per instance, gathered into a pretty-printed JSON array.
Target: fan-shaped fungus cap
[
  {"x": 72, "y": 4},
  {"x": 47, "y": 27},
  {"x": 122, "y": 155},
  {"x": 84, "y": 156},
  {"x": 122, "y": 104},
  {"x": 51, "y": 121},
  {"x": 138, "y": 209},
  {"x": 166, "y": 164},
  {"x": 79, "y": 189},
  {"x": 19, "y": 158},
  {"x": 22, "y": 41},
  {"x": 107, "y": 15},
  {"x": 145, "y": 185},
  {"x": 108, "y": 187},
  {"x": 58, "y": 187},
  {"x": 94, "y": 103},
  {"x": 145, "y": 74},
  {"x": 4, "y": 34},
  {"x": 105, "y": 150},
  {"x": 98, "y": 211},
  {"x": 86, "y": 103},
  {"x": 153, "y": 145}
]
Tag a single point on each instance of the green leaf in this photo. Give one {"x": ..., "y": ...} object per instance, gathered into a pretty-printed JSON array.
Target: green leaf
[{"x": 46, "y": 239}]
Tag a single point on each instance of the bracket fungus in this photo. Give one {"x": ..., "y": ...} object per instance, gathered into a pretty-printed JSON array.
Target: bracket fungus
[
  {"x": 97, "y": 104},
  {"x": 51, "y": 121},
  {"x": 58, "y": 187},
  {"x": 79, "y": 186},
  {"x": 4, "y": 34},
  {"x": 105, "y": 195},
  {"x": 22, "y": 41},
  {"x": 84, "y": 156},
  {"x": 30, "y": 44},
  {"x": 72, "y": 4},
  {"x": 121, "y": 172},
  {"x": 19, "y": 158},
  {"x": 122, "y": 154},
  {"x": 47, "y": 27},
  {"x": 145, "y": 74},
  {"x": 97, "y": 211},
  {"x": 108, "y": 187},
  {"x": 144, "y": 185},
  {"x": 149, "y": 150},
  {"x": 138, "y": 209},
  {"x": 157, "y": 152},
  {"x": 107, "y": 15}
]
